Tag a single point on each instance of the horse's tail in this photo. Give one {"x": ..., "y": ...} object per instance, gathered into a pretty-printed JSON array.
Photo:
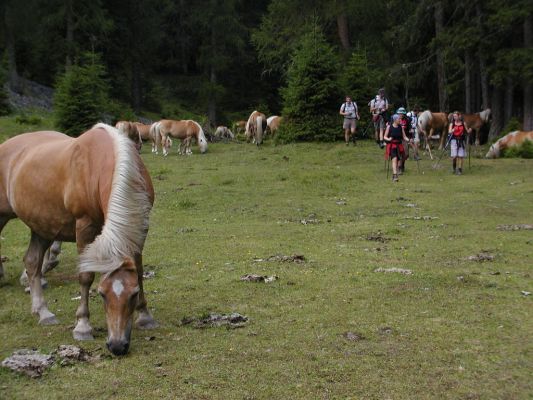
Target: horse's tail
[
  {"x": 259, "y": 130},
  {"x": 200, "y": 137},
  {"x": 155, "y": 130},
  {"x": 128, "y": 210}
]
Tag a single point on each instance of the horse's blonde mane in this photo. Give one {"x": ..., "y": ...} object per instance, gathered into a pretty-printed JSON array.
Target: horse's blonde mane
[{"x": 128, "y": 210}]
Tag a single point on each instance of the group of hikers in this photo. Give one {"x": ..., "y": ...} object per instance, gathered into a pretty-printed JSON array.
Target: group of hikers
[{"x": 399, "y": 133}]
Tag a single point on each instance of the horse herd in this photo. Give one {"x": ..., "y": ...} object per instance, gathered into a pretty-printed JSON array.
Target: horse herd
[
  {"x": 94, "y": 190},
  {"x": 161, "y": 133}
]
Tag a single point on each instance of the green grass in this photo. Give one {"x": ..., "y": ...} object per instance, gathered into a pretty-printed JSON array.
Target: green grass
[{"x": 449, "y": 337}]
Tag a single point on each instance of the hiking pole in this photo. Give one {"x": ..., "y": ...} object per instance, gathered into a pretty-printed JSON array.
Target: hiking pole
[
  {"x": 443, "y": 151},
  {"x": 388, "y": 167}
]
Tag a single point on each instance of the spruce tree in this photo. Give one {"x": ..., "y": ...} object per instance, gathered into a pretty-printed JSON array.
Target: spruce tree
[
  {"x": 311, "y": 98},
  {"x": 81, "y": 96}
]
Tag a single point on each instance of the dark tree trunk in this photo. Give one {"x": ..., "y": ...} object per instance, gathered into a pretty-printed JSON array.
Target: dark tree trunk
[
  {"x": 508, "y": 102},
  {"x": 483, "y": 71},
  {"x": 468, "y": 82},
  {"x": 441, "y": 70},
  {"x": 212, "y": 104},
  {"x": 13, "y": 76},
  {"x": 343, "y": 31},
  {"x": 496, "y": 124},
  {"x": 69, "y": 34},
  {"x": 528, "y": 85}
]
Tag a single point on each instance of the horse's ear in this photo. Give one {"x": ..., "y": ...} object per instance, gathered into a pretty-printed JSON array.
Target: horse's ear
[{"x": 128, "y": 264}]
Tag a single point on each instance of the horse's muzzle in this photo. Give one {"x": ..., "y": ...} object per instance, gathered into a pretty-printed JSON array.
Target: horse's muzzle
[{"x": 118, "y": 348}]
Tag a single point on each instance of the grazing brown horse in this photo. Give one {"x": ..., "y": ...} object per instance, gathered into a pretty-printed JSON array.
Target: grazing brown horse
[
  {"x": 223, "y": 132},
  {"x": 185, "y": 130},
  {"x": 255, "y": 127},
  {"x": 239, "y": 127},
  {"x": 129, "y": 129},
  {"x": 429, "y": 123},
  {"x": 476, "y": 122},
  {"x": 273, "y": 124},
  {"x": 512, "y": 139},
  {"x": 93, "y": 190}
]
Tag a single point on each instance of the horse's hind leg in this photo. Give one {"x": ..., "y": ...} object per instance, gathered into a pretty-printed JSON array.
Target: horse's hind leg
[
  {"x": 145, "y": 319},
  {"x": 51, "y": 259},
  {"x": 3, "y": 222},
  {"x": 34, "y": 261}
]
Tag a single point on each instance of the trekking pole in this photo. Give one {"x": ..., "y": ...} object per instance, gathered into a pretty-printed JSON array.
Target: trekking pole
[
  {"x": 388, "y": 166},
  {"x": 469, "y": 152},
  {"x": 443, "y": 151}
]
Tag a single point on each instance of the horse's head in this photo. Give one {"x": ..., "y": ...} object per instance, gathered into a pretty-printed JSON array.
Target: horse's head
[
  {"x": 494, "y": 151},
  {"x": 120, "y": 290},
  {"x": 202, "y": 142}
]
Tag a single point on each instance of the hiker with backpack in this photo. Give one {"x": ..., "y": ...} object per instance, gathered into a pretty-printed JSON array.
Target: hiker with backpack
[
  {"x": 395, "y": 137},
  {"x": 351, "y": 114},
  {"x": 378, "y": 109},
  {"x": 457, "y": 132}
]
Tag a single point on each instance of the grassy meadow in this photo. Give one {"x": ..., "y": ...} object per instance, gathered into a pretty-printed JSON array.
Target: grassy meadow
[{"x": 329, "y": 328}]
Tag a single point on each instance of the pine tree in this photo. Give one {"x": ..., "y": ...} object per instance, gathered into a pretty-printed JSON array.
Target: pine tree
[
  {"x": 311, "y": 98},
  {"x": 81, "y": 96}
]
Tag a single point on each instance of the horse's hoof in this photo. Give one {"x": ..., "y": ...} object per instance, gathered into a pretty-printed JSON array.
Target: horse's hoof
[
  {"x": 49, "y": 320},
  {"x": 82, "y": 335}
]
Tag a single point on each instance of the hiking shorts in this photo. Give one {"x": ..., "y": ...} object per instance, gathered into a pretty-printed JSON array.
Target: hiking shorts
[
  {"x": 416, "y": 136},
  {"x": 349, "y": 123},
  {"x": 379, "y": 123},
  {"x": 456, "y": 151}
]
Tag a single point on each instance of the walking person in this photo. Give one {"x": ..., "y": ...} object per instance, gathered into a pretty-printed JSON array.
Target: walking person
[
  {"x": 378, "y": 108},
  {"x": 458, "y": 131},
  {"x": 405, "y": 123},
  {"x": 395, "y": 151},
  {"x": 351, "y": 113}
]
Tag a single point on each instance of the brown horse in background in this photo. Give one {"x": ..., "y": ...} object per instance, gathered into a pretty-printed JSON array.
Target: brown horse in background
[
  {"x": 93, "y": 190},
  {"x": 430, "y": 123},
  {"x": 130, "y": 130},
  {"x": 239, "y": 127},
  {"x": 255, "y": 127},
  {"x": 185, "y": 130},
  {"x": 273, "y": 124},
  {"x": 476, "y": 122}
]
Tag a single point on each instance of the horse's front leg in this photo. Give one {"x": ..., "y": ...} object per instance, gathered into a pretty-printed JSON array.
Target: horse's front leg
[
  {"x": 145, "y": 319},
  {"x": 34, "y": 261},
  {"x": 3, "y": 222},
  {"x": 85, "y": 234}
]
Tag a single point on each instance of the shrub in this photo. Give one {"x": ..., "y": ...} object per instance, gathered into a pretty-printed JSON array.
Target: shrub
[
  {"x": 525, "y": 150},
  {"x": 81, "y": 96},
  {"x": 311, "y": 97}
]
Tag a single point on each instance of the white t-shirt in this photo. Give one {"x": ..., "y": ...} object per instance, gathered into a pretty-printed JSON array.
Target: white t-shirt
[
  {"x": 379, "y": 104},
  {"x": 350, "y": 108}
]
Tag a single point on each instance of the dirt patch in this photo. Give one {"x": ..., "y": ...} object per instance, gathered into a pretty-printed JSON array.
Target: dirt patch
[
  {"x": 311, "y": 219},
  {"x": 259, "y": 278},
  {"x": 394, "y": 271},
  {"x": 423, "y": 218},
  {"x": 353, "y": 336},
  {"x": 481, "y": 257},
  {"x": 515, "y": 227},
  {"x": 377, "y": 237},
  {"x": 214, "y": 320},
  {"x": 185, "y": 230},
  {"x": 33, "y": 363},
  {"x": 295, "y": 258}
]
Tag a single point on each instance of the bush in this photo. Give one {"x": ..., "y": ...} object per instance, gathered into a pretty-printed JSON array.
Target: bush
[
  {"x": 513, "y": 125},
  {"x": 24, "y": 119},
  {"x": 311, "y": 97},
  {"x": 81, "y": 96},
  {"x": 525, "y": 150}
]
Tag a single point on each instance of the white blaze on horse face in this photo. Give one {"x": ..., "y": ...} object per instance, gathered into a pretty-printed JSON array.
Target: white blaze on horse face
[{"x": 118, "y": 287}]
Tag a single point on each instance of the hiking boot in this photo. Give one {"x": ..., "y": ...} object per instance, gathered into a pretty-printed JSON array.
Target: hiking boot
[
  {"x": 395, "y": 178},
  {"x": 417, "y": 157},
  {"x": 381, "y": 144},
  {"x": 459, "y": 171}
]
